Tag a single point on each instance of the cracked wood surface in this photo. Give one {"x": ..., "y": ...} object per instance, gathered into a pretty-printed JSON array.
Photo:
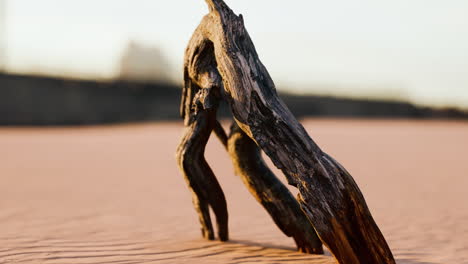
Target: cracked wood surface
[
  {"x": 270, "y": 192},
  {"x": 328, "y": 194}
]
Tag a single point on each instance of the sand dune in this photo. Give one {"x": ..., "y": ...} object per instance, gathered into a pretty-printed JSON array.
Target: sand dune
[{"x": 115, "y": 195}]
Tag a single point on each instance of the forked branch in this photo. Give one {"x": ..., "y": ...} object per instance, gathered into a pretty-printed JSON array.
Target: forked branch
[{"x": 329, "y": 197}]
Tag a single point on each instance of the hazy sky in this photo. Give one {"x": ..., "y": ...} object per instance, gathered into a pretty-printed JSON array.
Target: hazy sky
[{"x": 410, "y": 49}]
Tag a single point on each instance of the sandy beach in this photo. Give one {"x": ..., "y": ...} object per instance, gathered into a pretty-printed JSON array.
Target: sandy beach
[{"x": 115, "y": 195}]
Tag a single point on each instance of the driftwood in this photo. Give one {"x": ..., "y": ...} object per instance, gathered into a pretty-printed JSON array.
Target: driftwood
[
  {"x": 201, "y": 96},
  {"x": 200, "y": 120},
  {"x": 222, "y": 64},
  {"x": 270, "y": 192}
]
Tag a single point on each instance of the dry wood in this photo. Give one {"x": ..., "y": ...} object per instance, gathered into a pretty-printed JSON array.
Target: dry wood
[
  {"x": 206, "y": 191},
  {"x": 198, "y": 108},
  {"x": 328, "y": 194},
  {"x": 199, "y": 103},
  {"x": 201, "y": 79},
  {"x": 270, "y": 192}
]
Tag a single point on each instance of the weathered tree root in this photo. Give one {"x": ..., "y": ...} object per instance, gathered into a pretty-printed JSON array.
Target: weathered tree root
[
  {"x": 201, "y": 95},
  {"x": 270, "y": 192},
  {"x": 221, "y": 54},
  {"x": 198, "y": 108},
  {"x": 206, "y": 190}
]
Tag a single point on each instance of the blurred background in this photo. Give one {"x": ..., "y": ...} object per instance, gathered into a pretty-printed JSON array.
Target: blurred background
[
  {"x": 74, "y": 189},
  {"x": 92, "y": 62}
]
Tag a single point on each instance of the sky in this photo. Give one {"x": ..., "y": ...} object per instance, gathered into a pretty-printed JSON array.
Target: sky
[{"x": 414, "y": 50}]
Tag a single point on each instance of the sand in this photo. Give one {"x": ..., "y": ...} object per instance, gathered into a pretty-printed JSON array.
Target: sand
[{"x": 114, "y": 194}]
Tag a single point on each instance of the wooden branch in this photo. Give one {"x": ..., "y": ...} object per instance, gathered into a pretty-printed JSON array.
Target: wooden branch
[
  {"x": 328, "y": 194},
  {"x": 198, "y": 107},
  {"x": 200, "y": 69},
  {"x": 270, "y": 192},
  {"x": 206, "y": 191}
]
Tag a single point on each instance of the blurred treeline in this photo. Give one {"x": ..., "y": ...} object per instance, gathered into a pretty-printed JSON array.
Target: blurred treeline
[{"x": 33, "y": 100}]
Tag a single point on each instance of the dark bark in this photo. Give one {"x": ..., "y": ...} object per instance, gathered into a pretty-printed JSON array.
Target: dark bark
[
  {"x": 270, "y": 192},
  {"x": 201, "y": 95},
  {"x": 206, "y": 191},
  {"x": 328, "y": 194},
  {"x": 198, "y": 108}
]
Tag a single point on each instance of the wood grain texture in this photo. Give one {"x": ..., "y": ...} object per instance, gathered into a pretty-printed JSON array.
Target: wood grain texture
[
  {"x": 198, "y": 107},
  {"x": 201, "y": 95},
  {"x": 270, "y": 192},
  {"x": 328, "y": 194},
  {"x": 206, "y": 191}
]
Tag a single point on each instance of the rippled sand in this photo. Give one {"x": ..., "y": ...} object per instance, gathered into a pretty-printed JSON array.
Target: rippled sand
[{"x": 114, "y": 194}]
